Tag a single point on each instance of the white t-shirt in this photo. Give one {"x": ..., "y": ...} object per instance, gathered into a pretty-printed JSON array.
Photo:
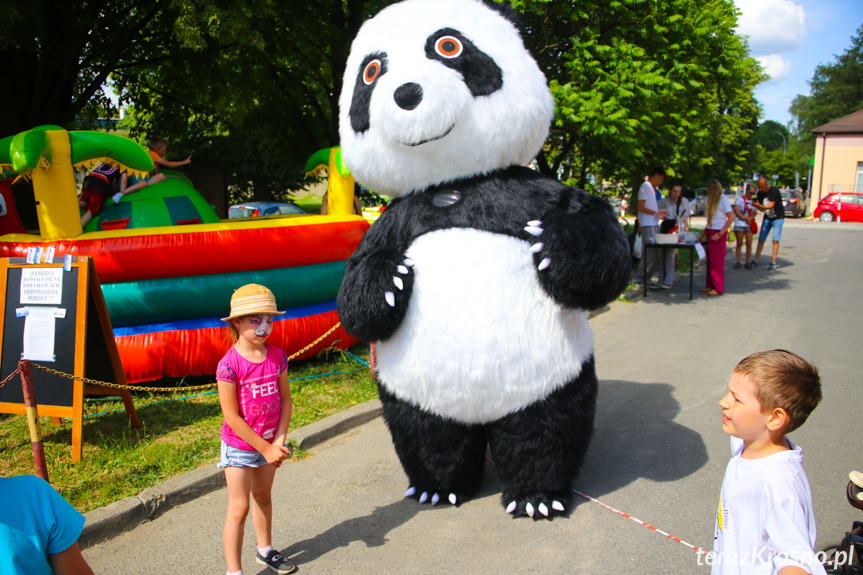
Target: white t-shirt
[
  {"x": 765, "y": 519},
  {"x": 743, "y": 203},
  {"x": 719, "y": 218},
  {"x": 674, "y": 212},
  {"x": 647, "y": 193}
]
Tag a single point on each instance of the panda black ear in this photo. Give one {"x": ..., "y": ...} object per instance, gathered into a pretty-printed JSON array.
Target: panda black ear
[{"x": 505, "y": 9}]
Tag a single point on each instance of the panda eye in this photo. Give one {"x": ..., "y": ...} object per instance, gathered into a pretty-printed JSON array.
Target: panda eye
[
  {"x": 371, "y": 72},
  {"x": 448, "y": 47}
]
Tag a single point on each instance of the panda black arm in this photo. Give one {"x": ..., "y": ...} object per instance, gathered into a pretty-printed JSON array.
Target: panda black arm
[
  {"x": 378, "y": 283},
  {"x": 584, "y": 259}
]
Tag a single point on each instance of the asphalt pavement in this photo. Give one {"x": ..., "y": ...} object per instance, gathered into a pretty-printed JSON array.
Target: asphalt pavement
[{"x": 658, "y": 452}]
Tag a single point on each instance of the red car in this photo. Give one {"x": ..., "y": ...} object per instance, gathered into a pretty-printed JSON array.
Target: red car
[{"x": 828, "y": 209}]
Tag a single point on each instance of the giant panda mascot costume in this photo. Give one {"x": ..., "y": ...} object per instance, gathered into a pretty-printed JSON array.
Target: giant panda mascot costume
[{"x": 474, "y": 282}]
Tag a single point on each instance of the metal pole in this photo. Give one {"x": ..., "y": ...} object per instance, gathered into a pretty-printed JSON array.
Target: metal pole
[{"x": 33, "y": 419}]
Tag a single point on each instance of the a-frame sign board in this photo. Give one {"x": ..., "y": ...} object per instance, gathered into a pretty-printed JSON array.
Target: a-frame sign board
[{"x": 68, "y": 330}]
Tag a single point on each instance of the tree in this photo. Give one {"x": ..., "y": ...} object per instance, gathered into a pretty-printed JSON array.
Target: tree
[
  {"x": 254, "y": 84},
  {"x": 57, "y": 55},
  {"x": 772, "y": 136},
  {"x": 836, "y": 91},
  {"x": 639, "y": 83}
]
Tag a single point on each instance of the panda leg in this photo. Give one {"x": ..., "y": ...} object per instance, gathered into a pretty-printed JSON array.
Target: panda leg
[
  {"x": 443, "y": 459},
  {"x": 538, "y": 451}
]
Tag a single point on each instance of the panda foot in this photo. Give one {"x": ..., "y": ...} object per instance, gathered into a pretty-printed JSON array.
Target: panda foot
[
  {"x": 435, "y": 497},
  {"x": 535, "y": 509}
]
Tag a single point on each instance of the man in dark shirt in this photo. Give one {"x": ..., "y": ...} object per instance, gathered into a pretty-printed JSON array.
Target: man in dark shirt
[{"x": 769, "y": 201}]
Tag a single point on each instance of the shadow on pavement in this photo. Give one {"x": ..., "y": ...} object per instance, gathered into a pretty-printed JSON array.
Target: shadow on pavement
[
  {"x": 371, "y": 529},
  {"x": 635, "y": 436}
]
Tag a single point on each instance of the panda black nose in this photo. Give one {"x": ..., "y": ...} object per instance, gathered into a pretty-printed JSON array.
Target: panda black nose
[{"x": 408, "y": 96}]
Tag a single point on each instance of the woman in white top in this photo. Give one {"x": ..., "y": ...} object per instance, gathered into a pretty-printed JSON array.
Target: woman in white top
[
  {"x": 720, "y": 217},
  {"x": 744, "y": 213},
  {"x": 677, "y": 210}
]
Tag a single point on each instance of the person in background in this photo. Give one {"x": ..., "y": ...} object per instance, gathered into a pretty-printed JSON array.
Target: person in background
[
  {"x": 39, "y": 530},
  {"x": 744, "y": 215},
  {"x": 649, "y": 215},
  {"x": 769, "y": 201},
  {"x": 676, "y": 209},
  {"x": 720, "y": 218}
]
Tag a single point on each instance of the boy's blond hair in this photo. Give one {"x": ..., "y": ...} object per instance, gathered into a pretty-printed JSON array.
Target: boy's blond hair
[{"x": 783, "y": 379}]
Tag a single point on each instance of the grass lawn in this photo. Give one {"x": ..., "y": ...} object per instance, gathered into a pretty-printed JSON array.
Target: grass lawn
[{"x": 179, "y": 431}]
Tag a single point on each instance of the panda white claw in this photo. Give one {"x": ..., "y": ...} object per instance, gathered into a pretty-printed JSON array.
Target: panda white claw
[
  {"x": 535, "y": 223},
  {"x": 511, "y": 507},
  {"x": 529, "y": 509},
  {"x": 452, "y": 498},
  {"x": 409, "y": 262},
  {"x": 411, "y": 491},
  {"x": 424, "y": 497},
  {"x": 557, "y": 505},
  {"x": 536, "y": 248},
  {"x": 543, "y": 508},
  {"x": 402, "y": 269},
  {"x": 434, "y": 500},
  {"x": 391, "y": 298},
  {"x": 534, "y": 231},
  {"x": 544, "y": 264},
  {"x": 398, "y": 282}
]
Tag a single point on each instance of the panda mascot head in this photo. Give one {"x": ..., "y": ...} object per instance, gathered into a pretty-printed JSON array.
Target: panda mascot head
[
  {"x": 474, "y": 282},
  {"x": 436, "y": 90}
]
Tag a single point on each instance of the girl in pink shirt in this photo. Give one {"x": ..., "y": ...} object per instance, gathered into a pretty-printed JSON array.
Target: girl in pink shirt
[{"x": 255, "y": 397}]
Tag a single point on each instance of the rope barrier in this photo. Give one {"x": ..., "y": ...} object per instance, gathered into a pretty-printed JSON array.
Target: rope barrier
[
  {"x": 639, "y": 521},
  {"x": 11, "y": 375},
  {"x": 156, "y": 389}
]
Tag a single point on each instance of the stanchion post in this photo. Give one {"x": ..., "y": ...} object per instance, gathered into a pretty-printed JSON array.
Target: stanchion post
[
  {"x": 33, "y": 419},
  {"x": 373, "y": 358}
]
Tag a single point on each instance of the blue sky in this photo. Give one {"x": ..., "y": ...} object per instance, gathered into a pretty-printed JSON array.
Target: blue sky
[{"x": 791, "y": 38}]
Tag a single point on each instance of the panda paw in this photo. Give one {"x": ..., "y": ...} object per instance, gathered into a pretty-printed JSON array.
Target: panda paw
[
  {"x": 434, "y": 498},
  {"x": 403, "y": 269},
  {"x": 536, "y": 508},
  {"x": 535, "y": 229}
]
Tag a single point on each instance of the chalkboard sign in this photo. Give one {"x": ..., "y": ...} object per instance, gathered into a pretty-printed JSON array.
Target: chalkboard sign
[{"x": 55, "y": 315}]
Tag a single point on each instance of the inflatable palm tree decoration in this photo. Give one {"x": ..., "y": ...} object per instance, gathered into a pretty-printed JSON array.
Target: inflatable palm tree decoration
[
  {"x": 48, "y": 155},
  {"x": 340, "y": 182}
]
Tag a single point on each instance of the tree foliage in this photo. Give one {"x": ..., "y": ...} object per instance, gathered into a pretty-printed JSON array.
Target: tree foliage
[
  {"x": 836, "y": 91},
  {"x": 57, "y": 55},
  {"x": 640, "y": 83},
  {"x": 255, "y": 83}
]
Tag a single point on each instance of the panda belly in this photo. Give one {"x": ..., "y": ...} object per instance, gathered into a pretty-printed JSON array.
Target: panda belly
[{"x": 480, "y": 338}]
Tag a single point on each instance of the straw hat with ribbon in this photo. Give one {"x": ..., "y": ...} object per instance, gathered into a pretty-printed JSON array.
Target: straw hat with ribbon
[{"x": 252, "y": 299}]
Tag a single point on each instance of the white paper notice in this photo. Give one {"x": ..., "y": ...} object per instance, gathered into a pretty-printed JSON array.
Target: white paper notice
[
  {"x": 39, "y": 334},
  {"x": 41, "y": 285}
]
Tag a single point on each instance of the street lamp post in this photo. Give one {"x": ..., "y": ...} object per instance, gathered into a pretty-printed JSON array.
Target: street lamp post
[{"x": 784, "y": 141}]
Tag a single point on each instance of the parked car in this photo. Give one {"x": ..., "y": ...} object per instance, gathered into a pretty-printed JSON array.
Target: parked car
[
  {"x": 828, "y": 209},
  {"x": 794, "y": 202},
  {"x": 256, "y": 209}
]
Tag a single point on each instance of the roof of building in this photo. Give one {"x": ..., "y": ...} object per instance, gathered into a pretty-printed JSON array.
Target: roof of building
[{"x": 850, "y": 124}]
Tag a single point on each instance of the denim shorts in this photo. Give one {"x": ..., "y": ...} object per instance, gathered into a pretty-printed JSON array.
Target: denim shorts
[
  {"x": 775, "y": 225},
  {"x": 236, "y": 457}
]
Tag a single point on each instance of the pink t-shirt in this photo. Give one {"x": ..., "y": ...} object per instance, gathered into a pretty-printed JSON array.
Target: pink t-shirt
[{"x": 257, "y": 392}]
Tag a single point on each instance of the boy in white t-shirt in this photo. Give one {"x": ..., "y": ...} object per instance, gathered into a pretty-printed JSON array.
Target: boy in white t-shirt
[{"x": 765, "y": 522}]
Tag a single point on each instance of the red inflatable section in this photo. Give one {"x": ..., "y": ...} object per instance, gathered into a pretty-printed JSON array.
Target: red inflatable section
[
  {"x": 10, "y": 221},
  {"x": 127, "y": 257},
  {"x": 197, "y": 351}
]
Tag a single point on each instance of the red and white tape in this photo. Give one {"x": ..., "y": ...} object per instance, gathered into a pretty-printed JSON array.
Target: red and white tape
[{"x": 648, "y": 525}]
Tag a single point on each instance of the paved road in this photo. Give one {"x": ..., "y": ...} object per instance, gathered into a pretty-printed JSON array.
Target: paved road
[{"x": 659, "y": 453}]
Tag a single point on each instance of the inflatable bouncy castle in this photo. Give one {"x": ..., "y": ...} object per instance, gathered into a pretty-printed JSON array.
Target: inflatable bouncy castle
[{"x": 167, "y": 264}]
